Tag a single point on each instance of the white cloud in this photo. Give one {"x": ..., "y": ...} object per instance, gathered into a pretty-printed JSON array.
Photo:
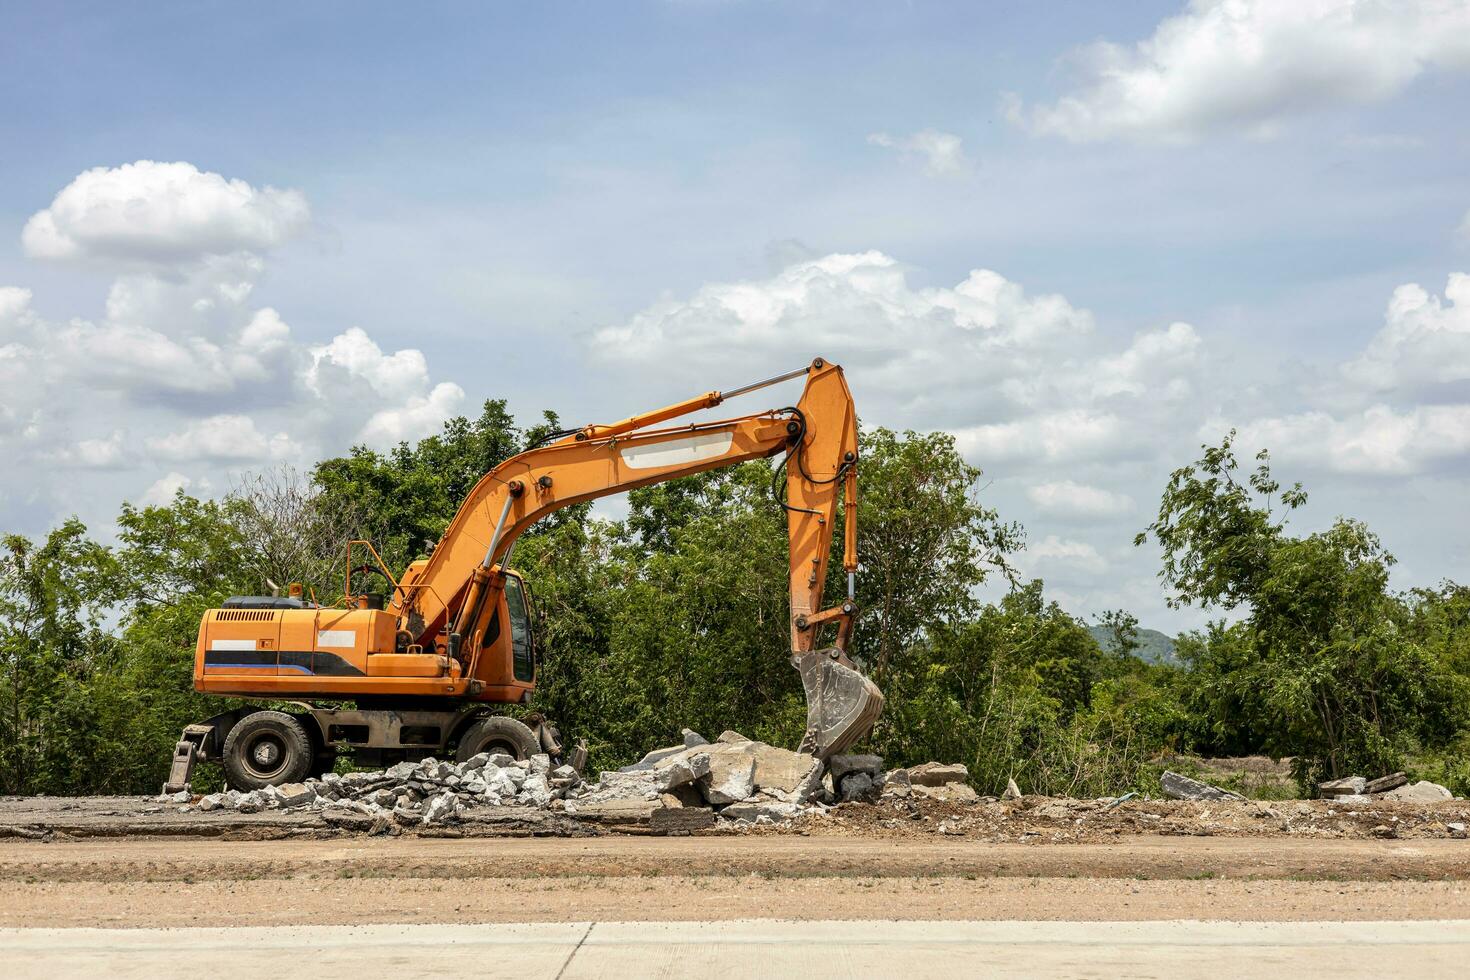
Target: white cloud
[
  {"x": 1248, "y": 65},
  {"x": 1065, "y": 498},
  {"x": 1055, "y": 436},
  {"x": 162, "y": 491},
  {"x": 1424, "y": 341},
  {"x": 161, "y": 213},
  {"x": 353, "y": 357},
  {"x": 416, "y": 418},
  {"x": 92, "y": 454},
  {"x": 940, "y": 154},
  {"x": 1053, "y": 550},
  {"x": 1379, "y": 441},
  {"x": 224, "y": 438}
]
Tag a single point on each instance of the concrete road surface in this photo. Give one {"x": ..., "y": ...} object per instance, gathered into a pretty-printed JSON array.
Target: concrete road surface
[{"x": 1176, "y": 950}]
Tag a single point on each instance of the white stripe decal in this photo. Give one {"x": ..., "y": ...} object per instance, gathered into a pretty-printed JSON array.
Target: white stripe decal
[
  {"x": 232, "y": 644},
  {"x": 692, "y": 449}
]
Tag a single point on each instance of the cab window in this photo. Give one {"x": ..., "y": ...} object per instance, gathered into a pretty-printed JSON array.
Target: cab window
[{"x": 522, "y": 658}]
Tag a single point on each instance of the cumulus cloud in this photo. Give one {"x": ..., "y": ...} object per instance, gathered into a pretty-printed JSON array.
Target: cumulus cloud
[
  {"x": 224, "y": 438},
  {"x": 1249, "y": 65},
  {"x": 1053, "y": 551},
  {"x": 1017, "y": 376},
  {"x": 1379, "y": 441},
  {"x": 939, "y": 154},
  {"x": 161, "y": 213},
  {"x": 1066, "y": 498},
  {"x": 92, "y": 454},
  {"x": 1424, "y": 340},
  {"x": 161, "y": 492}
]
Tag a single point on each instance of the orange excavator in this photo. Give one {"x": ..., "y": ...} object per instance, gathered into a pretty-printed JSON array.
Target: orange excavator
[{"x": 422, "y": 661}]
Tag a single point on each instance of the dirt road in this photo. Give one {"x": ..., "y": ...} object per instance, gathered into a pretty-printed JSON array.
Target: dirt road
[{"x": 175, "y": 882}]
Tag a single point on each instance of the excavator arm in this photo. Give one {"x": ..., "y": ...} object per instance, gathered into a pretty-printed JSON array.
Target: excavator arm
[{"x": 445, "y": 602}]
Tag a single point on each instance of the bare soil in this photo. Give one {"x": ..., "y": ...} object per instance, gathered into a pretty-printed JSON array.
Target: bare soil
[{"x": 110, "y": 863}]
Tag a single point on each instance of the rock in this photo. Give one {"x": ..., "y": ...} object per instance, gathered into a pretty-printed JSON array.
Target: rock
[
  {"x": 1179, "y": 787},
  {"x": 938, "y": 774},
  {"x": 728, "y": 737},
  {"x": 782, "y": 769},
  {"x": 656, "y": 756},
  {"x": 1352, "y": 798},
  {"x": 402, "y": 770},
  {"x": 441, "y": 809},
  {"x": 1385, "y": 783},
  {"x": 841, "y": 765},
  {"x": 856, "y": 787},
  {"x": 475, "y": 762},
  {"x": 1054, "y": 811},
  {"x": 693, "y": 738},
  {"x": 290, "y": 795},
  {"x": 182, "y": 796},
  {"x": 682, "y": 796},
  {"x": 1421, "y": 792},
  {"x": 406, "y": 814},
  {"x": 540, "y": 763},
  {"x": 250, "y": 803},
  {"x": 681, "y": 820},
  {"x": 731, "y": 779},
  {"x": 536, "y": 790},
  {"x": 500, "y": 760},
  {"x": 812, "y": 786},
  {"x": 948, "y": 793},
  {"x": 755, "y": 809},
  {"x": 1347, "y": 786},
  {"x": 1013, "y": 792},
  {"x": 565, "y": 772},
  {"x": 896, "y": 783},
  {"x": 1455, "y": 829},
  {"x": 682, "y": 771},
  {"x": 349, "y": 820},
  {"x": 214, "y": 801},
  {"x": 621, "y": 811}
]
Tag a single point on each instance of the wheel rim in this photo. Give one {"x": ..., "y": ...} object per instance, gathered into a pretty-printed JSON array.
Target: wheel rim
[
  {"x": 497, "y": 744},
  {"x": 264, "y": 755}
]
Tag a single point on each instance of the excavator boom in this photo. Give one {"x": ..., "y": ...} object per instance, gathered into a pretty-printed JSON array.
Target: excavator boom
[{"x": 456, "y": 627}]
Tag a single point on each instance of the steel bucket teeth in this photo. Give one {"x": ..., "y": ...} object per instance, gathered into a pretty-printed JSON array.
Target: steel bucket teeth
[{"x": 841, "y": 704}]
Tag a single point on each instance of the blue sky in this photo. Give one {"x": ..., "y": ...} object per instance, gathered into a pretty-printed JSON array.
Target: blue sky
[{"x": 1189, "y": 217}]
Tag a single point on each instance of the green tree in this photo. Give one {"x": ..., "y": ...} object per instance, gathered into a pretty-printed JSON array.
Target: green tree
[{"x": 1320, "y": 667}]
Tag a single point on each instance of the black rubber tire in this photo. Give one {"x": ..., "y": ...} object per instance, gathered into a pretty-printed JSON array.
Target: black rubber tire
[
  {"x": 267, "y": 748},
  {"x": 497, "y": 733}
]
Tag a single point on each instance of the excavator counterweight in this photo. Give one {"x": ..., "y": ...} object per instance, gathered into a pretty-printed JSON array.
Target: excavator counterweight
[{"x": 457, "y": 631}]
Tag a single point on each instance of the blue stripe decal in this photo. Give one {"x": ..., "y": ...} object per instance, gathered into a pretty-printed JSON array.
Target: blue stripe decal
[{"x": 209, "y": 667}]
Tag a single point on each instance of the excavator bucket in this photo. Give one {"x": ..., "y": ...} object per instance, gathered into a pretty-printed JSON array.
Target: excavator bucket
[{"x": 841, "y": 704}]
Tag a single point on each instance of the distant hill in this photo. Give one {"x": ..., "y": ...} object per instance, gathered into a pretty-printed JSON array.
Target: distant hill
[{"x": 1153, "y": 646}]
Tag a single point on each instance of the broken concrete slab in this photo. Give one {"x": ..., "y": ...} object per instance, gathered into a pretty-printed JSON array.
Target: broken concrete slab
[
  {"x": 755, "y": 809},
  {"x": 681, "y": 771},
  {"x": 1178, "y": 787},
  {"x": 728, "y": 737},
  {"x": 731, "y": 778},
  {"x": 1421, "y": 792},
  {"x": 938, "y": 774},
  {"x": 948, "y": 793},
  {"x": 1346, "y": 786},
  {"x": 681, "y": 820},
  {"x": 1012, "y": 792},
  {"x": 841, "y": 765},
  {"x": 288, "y": 795},
  {"x": 693, "y": 738},
  {"x": 1385, "y": 783},
  {"x": 856, "y": 787},
  {"x": 615, "y": 811}
]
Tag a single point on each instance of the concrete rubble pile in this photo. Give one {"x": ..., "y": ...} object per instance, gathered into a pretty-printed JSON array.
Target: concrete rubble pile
[
  {"x": 410, "y": 793},
  {"x": 733, "y": 781},
  {"x": 1394, "y": 786}
]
